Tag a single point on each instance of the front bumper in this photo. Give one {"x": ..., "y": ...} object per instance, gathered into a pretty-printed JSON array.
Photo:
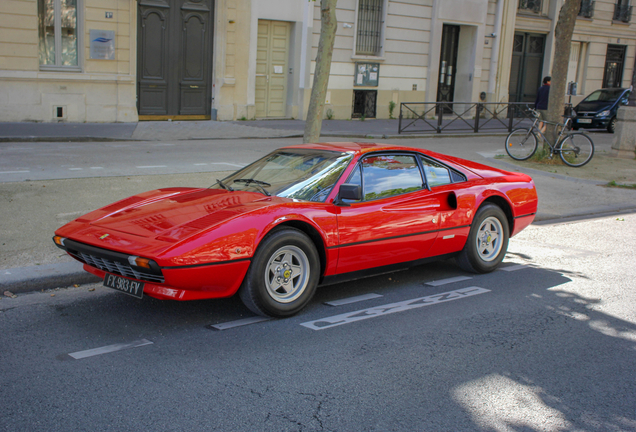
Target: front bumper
[
  {"x": 206, "y": 281},
  {"x": 591, "y": 122}
]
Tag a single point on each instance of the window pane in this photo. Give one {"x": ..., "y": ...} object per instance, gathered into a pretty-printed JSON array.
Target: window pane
[
  {"x": 385, "y": 176},
  {"x": 69, "y": 32},
  {"x": 46, "y": 27},
  {"x": 436, "y": 174}
]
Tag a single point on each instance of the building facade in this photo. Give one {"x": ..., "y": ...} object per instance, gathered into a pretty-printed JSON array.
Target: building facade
[{"x": 131, "y": 60}]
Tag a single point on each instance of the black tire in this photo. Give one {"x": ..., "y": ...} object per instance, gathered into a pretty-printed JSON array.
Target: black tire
[
  {"x": 576, "y": 149},
  {"x": 487, "y": 241},
  {"x": 283, "y": 275},
  {"x": 611, "y": 126},
  {"x": 521, "y": 144}
]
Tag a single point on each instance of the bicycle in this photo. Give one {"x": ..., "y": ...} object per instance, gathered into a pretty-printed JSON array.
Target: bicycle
[{"x": 575, "y": 148}]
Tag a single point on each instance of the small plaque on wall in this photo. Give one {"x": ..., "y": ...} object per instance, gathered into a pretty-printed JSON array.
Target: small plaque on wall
[
  {"x": 367, "y": 74},
  {"x": 102, "y": 45}
]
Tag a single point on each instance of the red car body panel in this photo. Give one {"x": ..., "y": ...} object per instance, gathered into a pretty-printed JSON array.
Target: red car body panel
[{"x": 204, "y": 239}]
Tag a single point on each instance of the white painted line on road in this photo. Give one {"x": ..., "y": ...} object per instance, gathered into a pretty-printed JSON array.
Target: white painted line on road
[
  {"x": 75, "y": 169},
  {"x": 226, "y": 163},
  {"x": 200, "y": 164},
  {"x": 13, "y": 172},
  {"x": 353, "y": 299},
  {"x": 152, "y": 166},
  {"x": 109, "y": 349},
  {"x": 514, "y": 267},
  {"x": 402, "y": 306},
  {"x": 97, "y": 167},
  {"x": 63, "y": 215},
  {"x": 238, "y": 323},
  {"x": 448, "y": 281}
]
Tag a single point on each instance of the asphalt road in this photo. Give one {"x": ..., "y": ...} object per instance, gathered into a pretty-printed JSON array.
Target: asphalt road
[{"x": 545, "y": 344}]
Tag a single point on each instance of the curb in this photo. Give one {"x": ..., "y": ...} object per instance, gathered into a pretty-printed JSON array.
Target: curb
[
  {"x": 47, "y": 276},
  {"x": 294, "y": 135}
]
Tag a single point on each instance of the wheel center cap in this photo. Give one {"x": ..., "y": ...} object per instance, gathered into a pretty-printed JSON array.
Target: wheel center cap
[{"x": 287, "y": 274}]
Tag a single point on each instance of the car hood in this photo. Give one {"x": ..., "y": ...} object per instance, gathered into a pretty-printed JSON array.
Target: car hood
[
  {"x": 179, "y": 215},
  {"x": 594, "y": 106}
]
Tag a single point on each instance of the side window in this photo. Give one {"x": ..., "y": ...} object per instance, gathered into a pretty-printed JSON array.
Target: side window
[
  {"x": 389, "y": 175},
  {"x": 437, "y": 174}
]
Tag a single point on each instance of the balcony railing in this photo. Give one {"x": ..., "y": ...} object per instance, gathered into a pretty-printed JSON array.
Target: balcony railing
[
  {"x": 623, "y": 12},
  {"x": 530, "y": 5},
  {"x": 587, "y": 8}
]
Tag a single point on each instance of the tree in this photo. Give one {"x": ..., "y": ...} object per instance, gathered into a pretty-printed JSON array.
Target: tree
[
  {"x": 562, "y": 44},
  {"x": 328, "y": 26}
]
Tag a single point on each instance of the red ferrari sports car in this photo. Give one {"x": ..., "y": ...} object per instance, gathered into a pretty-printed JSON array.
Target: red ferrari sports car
[{"x": 302, "y": 216}]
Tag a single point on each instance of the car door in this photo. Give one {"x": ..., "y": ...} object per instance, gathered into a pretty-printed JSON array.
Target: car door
[{"x": 396, "y": 220}]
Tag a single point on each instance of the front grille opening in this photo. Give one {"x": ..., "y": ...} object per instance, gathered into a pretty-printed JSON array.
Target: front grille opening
[{"x": 116, "y": 267}]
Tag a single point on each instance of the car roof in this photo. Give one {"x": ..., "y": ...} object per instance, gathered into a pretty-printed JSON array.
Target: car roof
[{"x": 355, "y": 147}]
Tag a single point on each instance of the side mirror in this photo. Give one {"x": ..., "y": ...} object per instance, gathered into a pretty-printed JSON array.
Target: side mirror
[{"x": 350, "y": 192}]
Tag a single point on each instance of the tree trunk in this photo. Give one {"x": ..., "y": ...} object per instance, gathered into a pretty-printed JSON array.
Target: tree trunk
[
  {"x": 562, "y": 45},
  {"x": 328, "y": 26}
]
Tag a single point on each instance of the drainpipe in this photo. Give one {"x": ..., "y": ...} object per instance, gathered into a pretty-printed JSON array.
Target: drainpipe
[{"x": 494, "y": 57}]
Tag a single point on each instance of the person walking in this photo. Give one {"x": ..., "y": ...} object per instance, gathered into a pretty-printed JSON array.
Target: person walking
[{"x": 541, "y": 103}]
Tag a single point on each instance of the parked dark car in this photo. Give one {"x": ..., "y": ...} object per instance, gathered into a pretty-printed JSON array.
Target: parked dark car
[{"x": 598, "y": 109}]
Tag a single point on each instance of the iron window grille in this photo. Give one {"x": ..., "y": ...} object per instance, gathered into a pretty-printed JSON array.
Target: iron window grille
[
  {"x": 369, "y": 29},
  {"x": 587, "y": 8},
  {"x": 623, "y": 11},
  {"x": 530, "y": 5}
]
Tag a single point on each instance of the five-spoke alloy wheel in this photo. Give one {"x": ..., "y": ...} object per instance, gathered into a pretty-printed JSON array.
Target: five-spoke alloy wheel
[
  {"x": 283, "y": 275},
  {"x": 487, "y": 241}
]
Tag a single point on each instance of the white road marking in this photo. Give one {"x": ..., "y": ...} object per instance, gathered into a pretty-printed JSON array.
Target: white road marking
[
  {"x": 75, "y": 169},
  {"x": 13, "y": 172},
  {"x": 109, "y": 349},
  {"x": 239, "y": 323},
  {"x": 97, "y": 167},
  {"x": 200, "y": 164},
  {"x": 448, "y": 281},
  {"x": 152, "y": 166},
  {"x": 514, "y": 267},
  {"x": 353, "y": 299},
  {"x": 226, "y": 163},
  {"x": 62, "y": 215},
  {"x": 402, "y": 306}
]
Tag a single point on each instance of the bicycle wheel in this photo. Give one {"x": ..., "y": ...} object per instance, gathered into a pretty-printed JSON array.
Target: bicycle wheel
[
  {"x": 576, "y": 149},
  {"x": 521, "y": 144}
]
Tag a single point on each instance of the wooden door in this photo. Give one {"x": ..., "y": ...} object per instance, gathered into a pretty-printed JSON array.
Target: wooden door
[
  {"x": 272, "y": 68},
  {"x": 527, "y": 64},
  {"x": 174, "y": 58}
]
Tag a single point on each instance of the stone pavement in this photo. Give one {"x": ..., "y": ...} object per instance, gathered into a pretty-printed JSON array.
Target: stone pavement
[{"x": 563, "y": 192}]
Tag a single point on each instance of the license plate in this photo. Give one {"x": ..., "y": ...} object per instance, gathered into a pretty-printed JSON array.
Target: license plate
[
  {"x": 128, "y": 286},
  {"x": 584, "y": 120}
]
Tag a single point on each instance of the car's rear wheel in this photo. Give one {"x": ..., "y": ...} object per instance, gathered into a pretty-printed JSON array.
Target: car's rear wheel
[
  {"x": 283, "y": 275},
  {"x": 487, "y": 241},
  {"x": 611, "y": 126}
]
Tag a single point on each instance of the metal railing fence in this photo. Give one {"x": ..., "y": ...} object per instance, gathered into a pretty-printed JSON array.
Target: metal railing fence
[{"x": 438, "y": 117}]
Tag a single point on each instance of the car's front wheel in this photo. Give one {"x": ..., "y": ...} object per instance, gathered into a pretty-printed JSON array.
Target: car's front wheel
[
  {"x": 487, "y": 241},
  {"x": 283, "y": 275},
  {"x": 611, "y": 126}
]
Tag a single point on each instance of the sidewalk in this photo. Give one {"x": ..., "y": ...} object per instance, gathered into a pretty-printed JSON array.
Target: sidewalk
[
  {"x": 186, "y": 130},
  {"x": 563, "y": 192}
]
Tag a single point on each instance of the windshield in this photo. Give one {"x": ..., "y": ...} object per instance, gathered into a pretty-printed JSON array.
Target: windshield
[
  {"x": 304, "y": 174},
  {"x": 604, "y": 95}
]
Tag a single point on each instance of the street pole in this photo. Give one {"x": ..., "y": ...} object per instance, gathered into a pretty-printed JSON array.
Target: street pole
[{"x": 624, "y": 144}]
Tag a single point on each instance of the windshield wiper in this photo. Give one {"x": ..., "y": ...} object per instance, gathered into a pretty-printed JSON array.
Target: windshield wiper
[
  {"x": 260, "y": 184},
  {"x": 224, "y": 186}
]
